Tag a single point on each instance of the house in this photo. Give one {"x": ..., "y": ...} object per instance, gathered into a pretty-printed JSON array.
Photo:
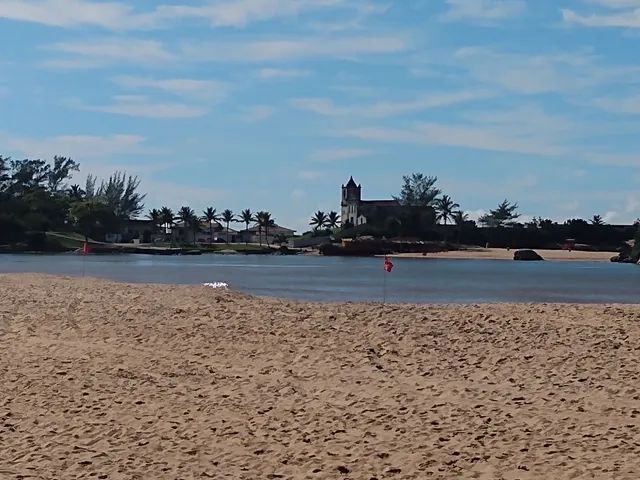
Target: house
[
  {"x": 134, "y": 231},
  {"x": 256, "y": 235},
  {"x": 204, "y": 234}
]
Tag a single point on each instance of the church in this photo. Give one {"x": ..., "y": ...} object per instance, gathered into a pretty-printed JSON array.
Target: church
[{"x": 356, "y": 211}]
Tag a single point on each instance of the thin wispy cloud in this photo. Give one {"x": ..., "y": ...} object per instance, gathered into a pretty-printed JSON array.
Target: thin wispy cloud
[
  {"x": 258, "y": 113},
  {"x": 115, "y": 15},
  {"x": 282, "y": 73},
  {"x": 270, "y": 50},
  {"x": 617, "y": 14},
  {"x": 76, "y": 146},
  {"x": 339, "y": 154},
  {"x": 143, "y": 107},
  {"x": 210, "y": 89},
  {"x": 106, "y": 51},
  {"x": 109, "y": 51},
  {"x": 327, "y": 107},
  {"x": 462, "y": 136},
  {"x": 626, "y": 105},
  {"x": 483, "y": 10}
]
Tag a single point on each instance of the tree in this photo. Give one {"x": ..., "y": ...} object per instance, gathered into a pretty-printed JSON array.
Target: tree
[
  {"x": 333, "y": 220},
  {"x": 247, "y": 217},
  {"x": 91, "y": 217},
  {"x": 210, "y": 215},
  {"x": 418, "y": 191},
  {"x": 228, "y": 217},
  {"x": 119, "y": 192},
  {"x": 597, "y": 220},
  {"x": 445, "y": 208},
  {"x": 75, "y": 192},
  {"x": 5, "y": 170},
  {"x": 190, "y": 221},
  {"x": 168, "y": 219},
  {"x": 59, "y": 172},
  {"x": 264, "y": 221},
  {"x": 318, "y": 220},
  {"x": 460, "y": 218},
  {"x": 155, "y": 216},
  {"x": 504, "y": 215}
]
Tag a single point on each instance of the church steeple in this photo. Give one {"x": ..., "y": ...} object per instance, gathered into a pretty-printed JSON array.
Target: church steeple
[{"x": 351, "y": 192}]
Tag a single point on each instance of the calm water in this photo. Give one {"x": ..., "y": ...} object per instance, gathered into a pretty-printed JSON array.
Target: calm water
[{"x": 360, "y": 279}]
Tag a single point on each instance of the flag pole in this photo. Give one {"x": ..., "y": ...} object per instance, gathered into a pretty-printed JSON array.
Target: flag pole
[{"x": 384, "y": 286}]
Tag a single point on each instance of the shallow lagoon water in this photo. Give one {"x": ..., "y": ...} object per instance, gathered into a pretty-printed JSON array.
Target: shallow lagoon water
[{"x": 359, "y": 279}]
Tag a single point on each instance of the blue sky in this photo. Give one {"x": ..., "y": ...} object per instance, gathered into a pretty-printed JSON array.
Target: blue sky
[{"x": 272, "y": 104}]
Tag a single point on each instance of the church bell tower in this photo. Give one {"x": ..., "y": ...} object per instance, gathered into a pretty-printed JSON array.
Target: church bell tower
[{"x": 351, "y": 197}]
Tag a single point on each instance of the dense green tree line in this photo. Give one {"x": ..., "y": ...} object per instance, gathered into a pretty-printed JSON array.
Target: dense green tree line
[{"x": 36, "y": 197}]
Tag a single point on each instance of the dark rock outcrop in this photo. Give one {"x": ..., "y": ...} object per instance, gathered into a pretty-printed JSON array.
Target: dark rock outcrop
[
  {"x": 527, "y": 255},
  {"x": 623, "y": 258}
]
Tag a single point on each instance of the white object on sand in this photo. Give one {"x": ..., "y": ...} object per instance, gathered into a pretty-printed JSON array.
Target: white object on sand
[{"x": 216, "y": 285}]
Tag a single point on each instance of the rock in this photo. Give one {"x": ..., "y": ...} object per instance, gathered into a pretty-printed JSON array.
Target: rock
[
  {"x": 622, "y": 258},
  {"x": 527, "y": 255}
]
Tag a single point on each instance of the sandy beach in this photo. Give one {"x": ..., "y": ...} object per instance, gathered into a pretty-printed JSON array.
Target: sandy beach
[
  {"x": 112, "y": 381},
  {"x": 504, "y": 254}
]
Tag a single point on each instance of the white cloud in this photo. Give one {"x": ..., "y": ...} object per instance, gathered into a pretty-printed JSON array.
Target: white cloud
[
  {"x": 67, "y": 13},
  {"x": 625, "y": 14},
  {"x": 123, "y": 16},
  {"x": 96, "y": 53},
  {"x": 76, "y": 146},
  {"x": 140, "y": 106},
  {"x": 325, "y": 106},
  {"x": 464, "y": 136},
  {"x": 105, "y": 52},
  {"x": 619, "y": 105},
  {"x": 294, "y": 48},
  {"x": 297, "y": 194},
  {"x": 258, "y": 113},
  {"x": 280, "y": 73},
  {"x": 483, "y": 10},
  {"x": 611, "y": 216},
  {"x": 338, "y": 154},
  {"x": 309, "y": 174},
  {"x": 528, "y": 74},
  {"x": 180, "y": 86}
]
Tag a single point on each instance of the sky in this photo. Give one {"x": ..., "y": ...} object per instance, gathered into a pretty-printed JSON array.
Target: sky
[{"x": 273, "y": 104}]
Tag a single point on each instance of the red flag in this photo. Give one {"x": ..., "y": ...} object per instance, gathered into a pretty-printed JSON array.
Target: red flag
[
  {"x": 388, "y": 266},
  {"x": 85, "y": 248}
]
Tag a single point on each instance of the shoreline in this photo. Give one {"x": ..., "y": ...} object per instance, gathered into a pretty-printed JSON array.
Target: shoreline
[
  {"x": 224, "y": 384},
  {"x": 504, "y": 254}
]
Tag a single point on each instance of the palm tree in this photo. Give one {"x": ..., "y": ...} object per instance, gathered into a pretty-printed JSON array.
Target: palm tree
[
  {"x": 597, "y": 220},
  {"x": 333, "y": 220},
  {"x": 445, "y": 208},
  {"x": 318, "y": 220},
  {"x": 76, "y": 192},
  {"x": 190, "y": 220},
  {"x": 459, "y": 218},
  {"x": 264, "y": 221},
  {"x": 155, "y": 216},
  {"x": 228, "y": 217},
  {"x": 210, "y": 215},
  {"x": 260, "y": 224},
  {"x": 247, "y": 217},
  {"x": 168, "y": 219}
]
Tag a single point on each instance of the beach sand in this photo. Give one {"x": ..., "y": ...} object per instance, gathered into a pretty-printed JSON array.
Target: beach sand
[
  {"x": 105, "y": 380},
  {"x": 504, "y": 254}
]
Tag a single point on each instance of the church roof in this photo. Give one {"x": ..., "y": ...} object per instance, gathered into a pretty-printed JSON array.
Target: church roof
[
  {"x": 381, "y": 203},
  {"x": 351, "y": 183}
]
